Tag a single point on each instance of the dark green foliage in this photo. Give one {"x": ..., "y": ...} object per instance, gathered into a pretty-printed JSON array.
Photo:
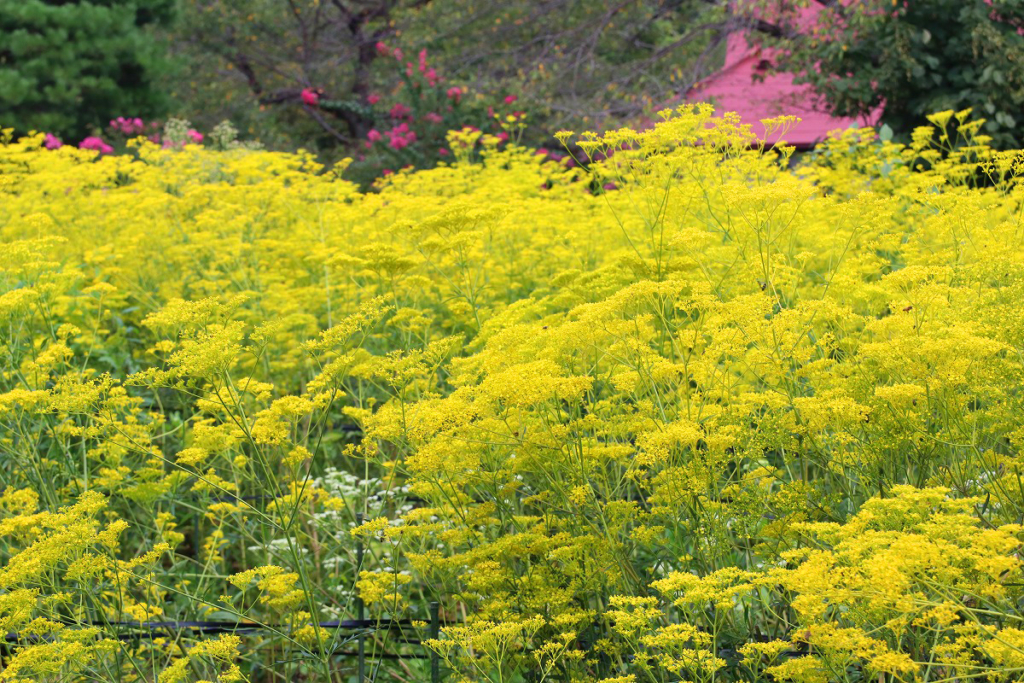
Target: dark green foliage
[
  {"x": 916, "y": 58},
  {"x": 69, "y": 66}
]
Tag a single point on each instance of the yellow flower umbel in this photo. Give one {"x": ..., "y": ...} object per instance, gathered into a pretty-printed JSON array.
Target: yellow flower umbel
[{"x": 691, "y": 409}]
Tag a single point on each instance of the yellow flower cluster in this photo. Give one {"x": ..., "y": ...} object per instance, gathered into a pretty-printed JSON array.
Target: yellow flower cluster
[{"x": 694, "y": 410}]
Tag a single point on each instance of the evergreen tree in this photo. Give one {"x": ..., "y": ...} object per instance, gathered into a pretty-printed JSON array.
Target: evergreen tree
[{"x": 69, "y": 66}]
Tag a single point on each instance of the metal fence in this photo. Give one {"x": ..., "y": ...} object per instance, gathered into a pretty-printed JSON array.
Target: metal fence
[{"x": 134, "y": 631}]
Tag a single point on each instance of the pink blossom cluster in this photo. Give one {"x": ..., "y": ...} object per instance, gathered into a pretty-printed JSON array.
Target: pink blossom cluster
[
  {"x": 399, "y": 137},
  {"x": 95, "y": 143},
  {"x": 127, "y": 126},
  {"x": 421, "y": 74},
  {"x": 310, "y": 97},
  {"x": 124, "y": 126},
  {"x": 385, "y": 51},
  {"x": 400, "y": 111},
  {"x": 428, "y": 72},
  {"x": 92, "y": 142}
]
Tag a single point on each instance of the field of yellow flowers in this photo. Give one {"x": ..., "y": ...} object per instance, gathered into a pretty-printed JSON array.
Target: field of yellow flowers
[{"x": 694, "y": 412}]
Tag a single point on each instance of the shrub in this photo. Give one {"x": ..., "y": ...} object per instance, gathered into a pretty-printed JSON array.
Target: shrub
[
  {"x": 686, "y": 414},
  {"x": 912, "y": 59}
]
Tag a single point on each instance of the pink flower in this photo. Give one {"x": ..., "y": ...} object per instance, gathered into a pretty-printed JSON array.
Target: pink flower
[
  {"x": 432, "y": 76},
  {"x": 399, "y": 111},
  {"x": 195, "y": 136},
  {"x": 374, "y": 135},
  {"x": 423, "y": 61},
  {"x": 443, "y": 152},
  {"x": 433, "y": 117},
  {"x": 96, "y": 144},
  {"x": 541, "y": 151},
  {"x": 455, "y": 93},
  {"x": 510, "y": 99},
  {"x": 398, "y": 142},
  {"x": 127, "y": 126},
  {"x": 387, "y": 171},
  {"x": 502, "y": 136},
  {"x": 310, "y": 97},
  {"x": 399, "y": 55},
  {"x": 383, "y": 50},
  {"x": 52, "y": 142},
  {"x": 610, "y": 186},
  {"x": 373, "y": 99}
]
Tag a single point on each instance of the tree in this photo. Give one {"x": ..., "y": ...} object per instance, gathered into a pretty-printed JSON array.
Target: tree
[
  {"x": 578, "y": 62},
  {"x": 912, "y": 58},
  {"x": 267, "y": 52},
  {"x": 567, "y": 61},
  {"x": 68, "y": 66}
]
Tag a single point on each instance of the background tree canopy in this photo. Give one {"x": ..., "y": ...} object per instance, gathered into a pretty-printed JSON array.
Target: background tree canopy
[
  {"x": 67, "y": 66},
  {"x": 913, "y": 58},
  {"x": 567, "y": 61},
  {"x": 70, "y": 66}
]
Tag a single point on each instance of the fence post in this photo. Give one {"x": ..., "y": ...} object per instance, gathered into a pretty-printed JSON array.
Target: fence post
[
  {"x": 360, "y": 607},
  {"x": 435, "y": 632}
]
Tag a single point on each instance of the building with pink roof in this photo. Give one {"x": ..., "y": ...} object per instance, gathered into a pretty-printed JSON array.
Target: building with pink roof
[{"x": 737, "y": 88}]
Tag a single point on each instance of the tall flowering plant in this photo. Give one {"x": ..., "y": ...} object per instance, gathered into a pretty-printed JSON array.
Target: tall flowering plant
[
  {"x": 172, "y": 134},
  {"x": 411, "y": 122}
]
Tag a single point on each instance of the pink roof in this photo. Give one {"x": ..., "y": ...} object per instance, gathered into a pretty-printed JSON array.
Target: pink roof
[{"x": 733, "y": 88}]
